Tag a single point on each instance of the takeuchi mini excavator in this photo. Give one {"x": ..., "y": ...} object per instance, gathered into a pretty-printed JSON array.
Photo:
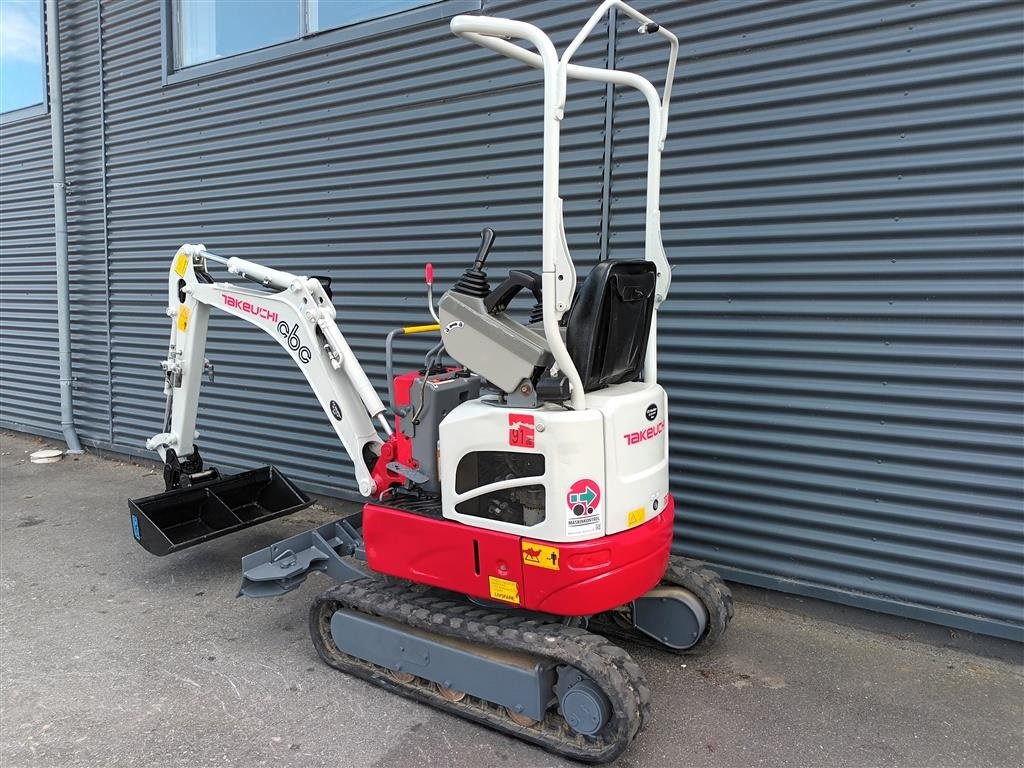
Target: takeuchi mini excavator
[{"x": 519, "y": 521}]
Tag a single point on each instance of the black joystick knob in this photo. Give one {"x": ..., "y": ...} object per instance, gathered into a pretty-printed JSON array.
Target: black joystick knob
[{"x": 474, "y": 280}]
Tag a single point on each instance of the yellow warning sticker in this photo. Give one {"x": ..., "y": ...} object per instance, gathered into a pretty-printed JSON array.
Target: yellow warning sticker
[
  {"x": 183, "y": 318},
  {"x": 540, "y": 555},
  {"x": 636, "y": 516},
  {"x": 180, "y": 264},
  {"x": 503, "y": 589}
]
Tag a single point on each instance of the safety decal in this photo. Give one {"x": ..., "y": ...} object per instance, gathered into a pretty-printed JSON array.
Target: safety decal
[
  {"x": 636, "y": 516},
  {"x": 180, "y": 264},
  {"x": 583, "y": 501},
  {"x": 183, "y": 314},
  {"x": 540, "y": 555},
  {"x": 521, "y": 430},
  {"x": 503, "y": 589}
]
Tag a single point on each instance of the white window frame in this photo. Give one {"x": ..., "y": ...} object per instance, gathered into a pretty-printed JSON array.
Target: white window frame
[
  {"x": 308, "y": 40},
  {"x": 42, "y": 107}
]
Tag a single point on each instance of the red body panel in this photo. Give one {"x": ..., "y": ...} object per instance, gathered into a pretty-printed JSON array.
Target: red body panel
[{"x": 590, "y": 577}]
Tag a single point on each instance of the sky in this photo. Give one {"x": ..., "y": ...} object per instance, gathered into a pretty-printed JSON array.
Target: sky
[{"x": 21, "y": 55}]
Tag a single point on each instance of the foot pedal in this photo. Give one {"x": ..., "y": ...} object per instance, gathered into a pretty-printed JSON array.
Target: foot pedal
[{"x": 178, "y": 519}]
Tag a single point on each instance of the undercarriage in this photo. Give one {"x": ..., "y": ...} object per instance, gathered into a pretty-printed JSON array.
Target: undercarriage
[{"x": 561, "y": 683}]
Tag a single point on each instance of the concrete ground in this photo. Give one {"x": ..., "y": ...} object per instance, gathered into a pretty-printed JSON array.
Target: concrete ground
[{"x": 111, "y": 657}]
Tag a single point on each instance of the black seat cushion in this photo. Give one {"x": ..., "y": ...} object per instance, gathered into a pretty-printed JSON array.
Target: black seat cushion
[{"x": 609, "y": 322}]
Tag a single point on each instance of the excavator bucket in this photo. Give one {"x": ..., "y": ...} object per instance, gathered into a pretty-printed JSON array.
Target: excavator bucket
[{"x": 181, "y": 518}]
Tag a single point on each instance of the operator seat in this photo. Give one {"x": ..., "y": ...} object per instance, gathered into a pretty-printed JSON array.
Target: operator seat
[{"x": 610, "y": 321}]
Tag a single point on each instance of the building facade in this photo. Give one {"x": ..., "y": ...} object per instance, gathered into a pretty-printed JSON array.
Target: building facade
[{"x": 841, "y": 204}]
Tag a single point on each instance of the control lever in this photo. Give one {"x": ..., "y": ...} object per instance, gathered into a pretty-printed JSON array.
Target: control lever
[
  {"x": 474, "y": 280},
  {"x": 486, "y": 242}
]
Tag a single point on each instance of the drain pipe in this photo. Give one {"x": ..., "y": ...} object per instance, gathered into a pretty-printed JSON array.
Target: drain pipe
[{"x": 60, "y": 218}]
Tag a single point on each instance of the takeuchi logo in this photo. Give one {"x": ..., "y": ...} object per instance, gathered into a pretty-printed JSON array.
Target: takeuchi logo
[
  {"x": 248, "y": 307},
  {"x": 632, "y": 438}
]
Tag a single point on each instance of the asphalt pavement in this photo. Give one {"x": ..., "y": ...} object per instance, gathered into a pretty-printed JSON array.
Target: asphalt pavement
[{"x": 112, "y": 657}]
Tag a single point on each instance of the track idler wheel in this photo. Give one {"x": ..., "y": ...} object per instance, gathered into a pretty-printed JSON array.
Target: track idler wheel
[{"x": 686, "y": 614}]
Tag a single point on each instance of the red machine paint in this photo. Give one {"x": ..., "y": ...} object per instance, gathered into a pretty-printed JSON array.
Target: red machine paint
[
  {"x": 592, "y": 576},
  {"x": 398, "y": 448}
]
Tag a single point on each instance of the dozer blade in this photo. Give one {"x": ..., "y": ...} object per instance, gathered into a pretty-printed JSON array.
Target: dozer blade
[{"x": 182, "y": 518}]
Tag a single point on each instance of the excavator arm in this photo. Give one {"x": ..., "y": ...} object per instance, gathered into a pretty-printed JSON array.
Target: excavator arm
[{"x": 299, "y": 314}]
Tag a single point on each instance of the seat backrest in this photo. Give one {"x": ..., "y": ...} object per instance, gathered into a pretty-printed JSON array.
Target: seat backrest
[{"x": 610, "y": 321}]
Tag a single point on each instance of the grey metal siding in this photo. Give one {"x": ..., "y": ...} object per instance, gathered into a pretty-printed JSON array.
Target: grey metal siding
[
  {"x": 841, "y": 203},
  {"x": 362, "y": 161},
  {"x": 842, "y": 347},
  {"x": 29, "y": 390}
]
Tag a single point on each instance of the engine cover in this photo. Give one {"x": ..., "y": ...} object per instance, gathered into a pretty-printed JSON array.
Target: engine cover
[{"x": 556, "y": 474}]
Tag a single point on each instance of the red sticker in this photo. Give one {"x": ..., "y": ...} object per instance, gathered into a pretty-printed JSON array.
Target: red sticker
[{"x": 520, "y": 430}]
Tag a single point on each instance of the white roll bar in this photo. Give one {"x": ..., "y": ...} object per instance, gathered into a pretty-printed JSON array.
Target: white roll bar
[{"x": 559, "y": 273}]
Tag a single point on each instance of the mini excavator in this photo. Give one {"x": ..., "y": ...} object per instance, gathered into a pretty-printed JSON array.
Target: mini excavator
[{"x": 518, "y": 521}]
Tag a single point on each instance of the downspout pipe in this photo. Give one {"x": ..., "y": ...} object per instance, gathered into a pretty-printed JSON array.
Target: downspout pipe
[{"x": 60, "y": 218}]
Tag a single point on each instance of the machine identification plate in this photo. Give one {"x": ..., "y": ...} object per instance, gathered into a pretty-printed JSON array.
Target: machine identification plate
[
  {"x": 540, "y": 555},
  {"x": 584, "y": 503},
  {"x": 503, "y": 589}
]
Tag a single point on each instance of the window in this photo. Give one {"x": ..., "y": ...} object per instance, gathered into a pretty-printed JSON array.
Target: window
[
  {"x": 208, "y": 30},
  {"x": 22, "y": 83}
]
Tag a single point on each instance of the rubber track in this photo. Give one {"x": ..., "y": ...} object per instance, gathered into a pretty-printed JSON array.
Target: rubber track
[
  {"x": 618, "y": 676},
  {"x": 709, "y": 589}
]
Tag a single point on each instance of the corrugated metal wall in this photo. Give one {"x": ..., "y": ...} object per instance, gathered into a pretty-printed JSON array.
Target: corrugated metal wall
[
  {"x": 29, "y": 377},
  {"x": 29, "y": 389},
  {"x": 841, "y": 204}
]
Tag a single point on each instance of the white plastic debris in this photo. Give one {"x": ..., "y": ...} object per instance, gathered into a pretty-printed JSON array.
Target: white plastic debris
[{"x": 46, "y": 456}]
